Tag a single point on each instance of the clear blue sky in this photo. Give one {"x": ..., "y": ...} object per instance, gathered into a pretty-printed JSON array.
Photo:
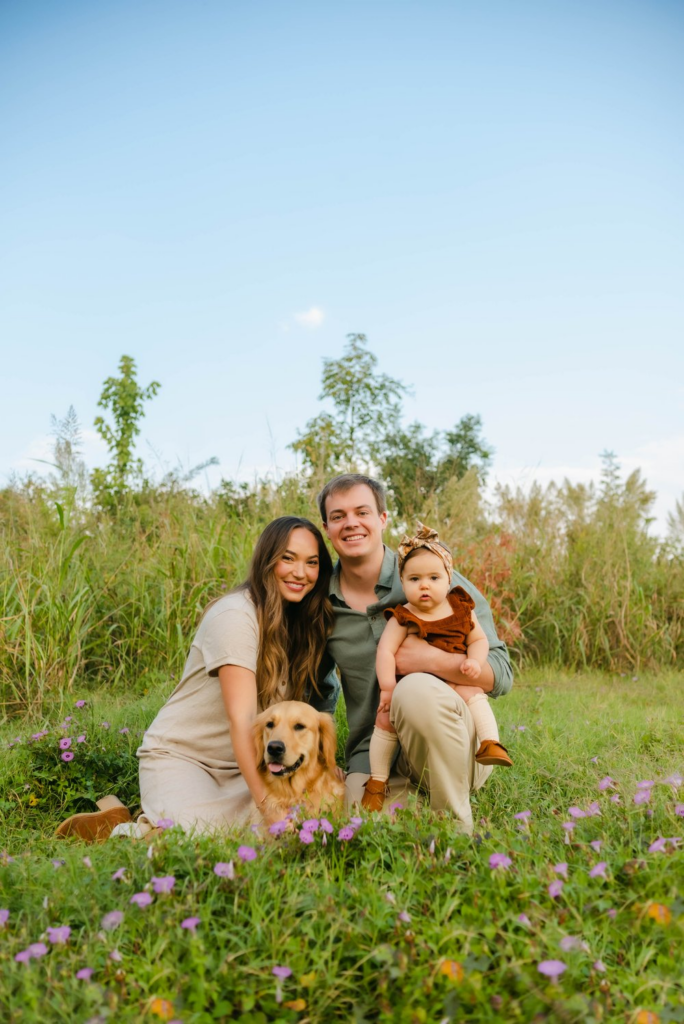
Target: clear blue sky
[{"x": 492, "y": 192}]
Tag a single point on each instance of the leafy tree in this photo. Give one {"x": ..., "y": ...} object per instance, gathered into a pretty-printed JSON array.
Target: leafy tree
[
  {"x": 367, "y": 405},
  {"x": 409, "y": 468},
  {"x": 466, "y": 449},
  {"x": 417, "y": 465},
  {"x": 125, "y": 400}
]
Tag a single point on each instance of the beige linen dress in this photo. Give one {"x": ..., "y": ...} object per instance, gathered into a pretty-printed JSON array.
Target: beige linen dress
[{"x": 188, "y": 771}]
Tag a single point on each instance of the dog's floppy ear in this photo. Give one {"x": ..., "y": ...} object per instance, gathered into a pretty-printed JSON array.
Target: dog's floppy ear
[
  {"x": 258, "y": 734},
  {"x": 327, "y": 741}
]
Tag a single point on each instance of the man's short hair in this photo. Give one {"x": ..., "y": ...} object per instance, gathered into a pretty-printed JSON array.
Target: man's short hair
[{"x": 344, "y": 483}]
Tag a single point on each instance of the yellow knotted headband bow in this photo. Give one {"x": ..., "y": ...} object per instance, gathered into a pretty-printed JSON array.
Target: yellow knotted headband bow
[{"x": 428, "y": 539}]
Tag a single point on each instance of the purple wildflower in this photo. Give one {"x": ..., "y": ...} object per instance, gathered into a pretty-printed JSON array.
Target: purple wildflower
[
  {"x": 105, "y": 725},
  {"x": 679, "y": 810},
  {"x": 611, "y": 913},
  {"x": 596, "y": 844},
  {"x": 164, "y": 823},
  {"x": 568, "y": 825},
  {"x": 615, "y": 798},
  {"x": 112, "y": 920},
  {"x": 594, "y": 760},
  {"x": 431, "y": 847},
  {"x": 594, "y": 810},
  {"x": 326, "y": 826},
  {"x": 658, "y": 846},
  {"x": 555, "y": 888},
  {"x": 569, "y": 942},
  {"x": 163, "y": 884},
  {"x": 405, "y": 917},
  {"x": 394, "y": 807},
  {"x": 645, "y": 784},
  {"x": 551, "y": 968},
  {"x": 190, "y": 923},
  {"x": 606, "y": 783},
  {"x": 576, "y": 812},
  {"x": 599, "y": 870},
  {"x": 524, "y": 919},
  {"x": 499, "y": 860},
  {"x": 246, "y": 853},
  {"x": 305, "y": 836},
  {"x": 65, "y": 743},
  {"x": 23, "y": 957},
  {"x": 115, "y": 955},
  {"x": 224, "y": 870},
  {"x": 345, "y": 833},
  {"x": 673, "y": 780},
  {"x": 84, "y": 974},
  {"x": 356, "y": 822},
  {"x": 88, "y": 862},
  {"x": 59, "y": 935},
  {"x": 390, "y": 897},
  {"x": 67, "y": 756},
  {"x": 282, "y": 972},
  {"x": 57, "y": 864},
  {"x": 4, "y": 917},
  {"x": 141, "y": 899},
  {"x": 119, "y": 875},
  {"x": 125, "y": 730},
  {"x": 37, "y": 949},
  {"x": 81, "y": 739},
  {"x": 599, "y": 966},
  {"x": 523, "y": 815},
  {"x": 561, "y": 869},
  {"x": 80, "y": 703},
  {"x": 311, "y": 824},
  {"x": 278, "y": 827},
  {"x": 642, "y": 796}
]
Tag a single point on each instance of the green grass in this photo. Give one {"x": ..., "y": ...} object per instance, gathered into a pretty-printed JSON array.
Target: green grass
[{"x": 331, "y": 912}]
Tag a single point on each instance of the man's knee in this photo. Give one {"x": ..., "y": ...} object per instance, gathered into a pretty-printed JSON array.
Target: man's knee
[{"x": 421, "y": 699}]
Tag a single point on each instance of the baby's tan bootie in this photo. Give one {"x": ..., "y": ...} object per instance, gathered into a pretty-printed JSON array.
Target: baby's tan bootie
[
  {"x": 374, "y": 795},
  {"x": 493, "y": 752}
]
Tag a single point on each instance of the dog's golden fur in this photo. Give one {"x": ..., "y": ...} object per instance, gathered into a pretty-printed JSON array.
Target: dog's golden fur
[{"x": 308, "y": 735}]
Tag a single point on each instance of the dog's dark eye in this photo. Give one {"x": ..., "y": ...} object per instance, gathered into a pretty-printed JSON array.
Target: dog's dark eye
[
  {"x": 269, "y": 725},
  {"x": 299, "y": 726}
]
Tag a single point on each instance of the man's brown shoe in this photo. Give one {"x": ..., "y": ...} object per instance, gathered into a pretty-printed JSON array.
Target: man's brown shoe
[
  {"x": 493, "y": 752},
  {"x": 374, "y": 795},
  {"x": 96, "y": 826}
]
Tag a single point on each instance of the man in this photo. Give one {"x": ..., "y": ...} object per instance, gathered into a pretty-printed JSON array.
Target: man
[{"x": 435, "y": 729}]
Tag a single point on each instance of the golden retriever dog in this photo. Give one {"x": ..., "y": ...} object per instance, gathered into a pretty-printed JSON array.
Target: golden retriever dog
[{"x": 295, "y": 748}]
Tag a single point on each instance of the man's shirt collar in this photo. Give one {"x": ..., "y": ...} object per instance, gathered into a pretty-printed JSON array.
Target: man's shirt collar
[{"x": 386, "y": 582}]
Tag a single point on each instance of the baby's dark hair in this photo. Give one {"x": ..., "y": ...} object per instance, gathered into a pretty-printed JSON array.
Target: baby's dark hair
[{"x": 418, "y": 551}]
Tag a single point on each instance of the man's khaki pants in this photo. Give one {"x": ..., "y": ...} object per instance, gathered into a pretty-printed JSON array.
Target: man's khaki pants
[{"x": 438, "y": 744}]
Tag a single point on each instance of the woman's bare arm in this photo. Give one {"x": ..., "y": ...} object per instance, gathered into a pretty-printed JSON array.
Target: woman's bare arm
[{"x": 239, "y": 691}]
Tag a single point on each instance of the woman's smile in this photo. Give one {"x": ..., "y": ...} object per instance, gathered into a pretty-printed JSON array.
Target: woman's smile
[{"x": 296, "y": 571}]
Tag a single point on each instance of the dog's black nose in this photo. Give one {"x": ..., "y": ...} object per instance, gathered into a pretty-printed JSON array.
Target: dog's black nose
[{"x": 275, "y": 749}]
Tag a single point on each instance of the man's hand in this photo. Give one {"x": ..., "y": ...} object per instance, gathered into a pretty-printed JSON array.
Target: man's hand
[
  {"x": 471, "y": 668},
  {"x": 416, "y": 655}
]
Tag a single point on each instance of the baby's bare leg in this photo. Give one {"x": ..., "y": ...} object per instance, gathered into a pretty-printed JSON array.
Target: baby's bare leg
[{"x": 382, "y": 721}]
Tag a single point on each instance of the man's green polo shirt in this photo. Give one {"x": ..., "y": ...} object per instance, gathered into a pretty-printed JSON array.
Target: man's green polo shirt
[{"x": 353, "y": 644}]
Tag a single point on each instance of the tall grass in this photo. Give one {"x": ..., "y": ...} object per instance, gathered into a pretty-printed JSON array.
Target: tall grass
[{"x": 573, "y": 576}]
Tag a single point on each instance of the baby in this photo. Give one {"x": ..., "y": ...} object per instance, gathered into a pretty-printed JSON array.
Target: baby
[{"x": 445, "y": 618}]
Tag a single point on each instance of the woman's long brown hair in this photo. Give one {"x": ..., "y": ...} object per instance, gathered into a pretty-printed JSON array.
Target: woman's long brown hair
[{"x": 292, "y": 635}]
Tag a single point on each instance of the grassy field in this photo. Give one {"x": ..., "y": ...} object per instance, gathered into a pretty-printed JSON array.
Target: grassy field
[{"x": 576, "y": 867}]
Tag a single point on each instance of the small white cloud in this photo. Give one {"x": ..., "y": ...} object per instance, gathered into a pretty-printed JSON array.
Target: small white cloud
[{"x": 313, "y": 317}]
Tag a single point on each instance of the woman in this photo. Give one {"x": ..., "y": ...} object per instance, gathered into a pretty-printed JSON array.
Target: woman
[{"x": 259, "y": 644}]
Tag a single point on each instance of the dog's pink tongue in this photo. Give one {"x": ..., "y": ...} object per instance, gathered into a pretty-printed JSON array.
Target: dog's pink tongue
[{"x": 275, "y": 768}]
